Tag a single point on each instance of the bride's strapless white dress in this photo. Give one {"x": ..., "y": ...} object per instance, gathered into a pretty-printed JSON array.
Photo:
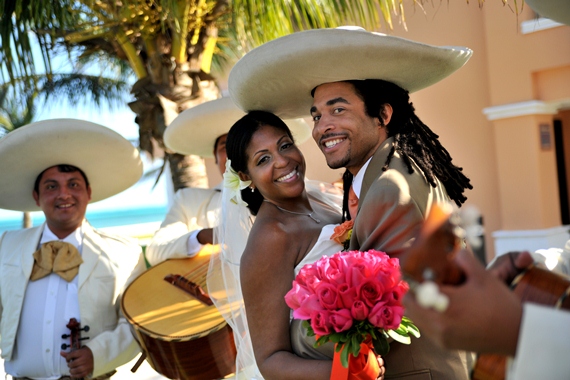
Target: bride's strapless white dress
[{"x": 301, "y": 343}]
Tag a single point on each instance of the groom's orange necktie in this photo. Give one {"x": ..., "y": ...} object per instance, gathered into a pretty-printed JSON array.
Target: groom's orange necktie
[{"x": 352, "y": 203}]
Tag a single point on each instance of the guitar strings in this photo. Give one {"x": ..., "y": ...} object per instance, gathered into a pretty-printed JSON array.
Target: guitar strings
[{"x": 198, "y": 274}]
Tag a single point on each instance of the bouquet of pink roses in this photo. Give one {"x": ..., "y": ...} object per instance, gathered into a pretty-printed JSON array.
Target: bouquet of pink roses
[{"x": 352, "y": 298}]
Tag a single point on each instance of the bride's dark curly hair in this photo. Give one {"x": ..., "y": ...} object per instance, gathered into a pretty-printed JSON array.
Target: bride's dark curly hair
[{"x": 237, "y": 142}]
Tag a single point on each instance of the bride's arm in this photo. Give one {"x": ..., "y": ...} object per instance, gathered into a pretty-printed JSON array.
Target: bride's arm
[{"x": 267, "y": 273}]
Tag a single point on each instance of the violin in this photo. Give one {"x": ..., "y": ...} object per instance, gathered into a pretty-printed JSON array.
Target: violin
[{"x": 74, "y": 336}]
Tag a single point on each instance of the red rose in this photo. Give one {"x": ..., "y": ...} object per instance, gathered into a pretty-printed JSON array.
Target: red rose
[
  {"x": 370, "y": 292},
  {"x": 341, "y": 320},
  {"x": 359, "y": 311},
  {"x": 320, "y": 322},
  {"x": 327, "y": 295}
]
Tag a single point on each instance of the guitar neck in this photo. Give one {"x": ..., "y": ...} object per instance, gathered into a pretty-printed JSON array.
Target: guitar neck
[{"x": 431, "y": 255}]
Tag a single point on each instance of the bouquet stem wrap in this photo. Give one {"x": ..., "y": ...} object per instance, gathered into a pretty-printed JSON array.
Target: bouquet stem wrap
[{"x": 362, "y": 367}]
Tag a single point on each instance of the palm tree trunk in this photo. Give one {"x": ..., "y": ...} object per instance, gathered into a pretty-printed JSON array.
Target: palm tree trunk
[
  {"x": 27, "y": 220},
  {"x": 187, "y": 171}
]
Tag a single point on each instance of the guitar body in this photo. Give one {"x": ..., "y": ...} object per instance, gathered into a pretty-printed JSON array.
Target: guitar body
[
  {"x": 535, "y": 285},
  {"x": 182, "y": 337}
]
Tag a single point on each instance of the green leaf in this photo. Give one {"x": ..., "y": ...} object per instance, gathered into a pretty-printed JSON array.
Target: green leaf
[
  {"x": 355, "y": 343},
  {"x": 338, "y": 338},
  {"x": 401, "y": 330},
  {"x": 381, "y": 346},
  {"x": 412, "y": 329},
  {"x": 406, "y": 319},
  {"x": 405, "y": 339},
  {"x": 344, "y": 355},
  {"x": 321, "y": 340}
]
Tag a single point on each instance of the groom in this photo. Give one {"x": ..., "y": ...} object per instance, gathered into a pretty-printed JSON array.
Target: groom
[{"x": 364, "y": 122}]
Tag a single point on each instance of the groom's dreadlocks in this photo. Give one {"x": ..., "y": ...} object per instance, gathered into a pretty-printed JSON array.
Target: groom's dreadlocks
[{"x": 413, "y": 140}]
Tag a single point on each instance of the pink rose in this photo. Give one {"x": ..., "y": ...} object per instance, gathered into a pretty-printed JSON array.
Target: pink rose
[
  {"x": 390, "y": 274},
  {"x": 309, "y": 305},
  {"x": 347, "y": 295},
  {"x": 328, "y": 296},
  {"x": 296, "y": 295},
  {"x": 334, "y": 272},
  {"x": 341, "y": 320},
  {"x": 359, "y": 310},
  {"x": 356, "y": 272},
  {"x": 385, "y": 316},
  {"x": 370, "y": 291},
  {"x": 320, "y": 322},
  {"x": 308, "y": 276},
  {"x": 394, "y": 297}
]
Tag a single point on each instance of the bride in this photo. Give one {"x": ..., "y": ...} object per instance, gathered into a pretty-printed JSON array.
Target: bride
[{"x": 292, "y": 227}]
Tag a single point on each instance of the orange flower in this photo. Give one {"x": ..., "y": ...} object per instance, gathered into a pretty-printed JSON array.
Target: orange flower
[{"x": 343, "y": 232}]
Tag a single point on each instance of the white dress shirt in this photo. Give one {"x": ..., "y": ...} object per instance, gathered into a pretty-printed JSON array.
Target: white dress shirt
[
  {"x": 48, "y": 305},
  {"x": 359, "y": 177}
]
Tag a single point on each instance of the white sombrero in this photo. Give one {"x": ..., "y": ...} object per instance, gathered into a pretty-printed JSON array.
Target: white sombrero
[
  {"x": 557, "y": 10},
  {"x": 278, "y": 76},
  {"x": 196, "y": 129},
  {"x": 110, "y": 162}
]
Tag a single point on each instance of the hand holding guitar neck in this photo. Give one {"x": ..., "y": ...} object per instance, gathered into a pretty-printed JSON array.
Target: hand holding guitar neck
[
  {"x": 430, "y": 259},
  {"x": 482, "y": 313}
]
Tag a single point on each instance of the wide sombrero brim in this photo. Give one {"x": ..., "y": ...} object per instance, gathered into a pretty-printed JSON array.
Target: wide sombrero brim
[
  {"x": 278, "y": 76},
  {"x": 110, "y": 162},
  {"x": 195, "y": 130},
  {"x": 557, "y": 10}
]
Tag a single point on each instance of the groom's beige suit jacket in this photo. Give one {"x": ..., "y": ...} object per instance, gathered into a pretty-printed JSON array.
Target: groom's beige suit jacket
[{"x": 391, "y": 208}]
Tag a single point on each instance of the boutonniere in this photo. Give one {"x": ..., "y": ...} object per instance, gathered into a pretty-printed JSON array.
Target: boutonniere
[{"x": 342, "y": 233}]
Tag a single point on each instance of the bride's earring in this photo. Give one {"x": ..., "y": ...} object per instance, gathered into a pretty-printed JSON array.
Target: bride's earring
[{"x": 252, "y": 189}]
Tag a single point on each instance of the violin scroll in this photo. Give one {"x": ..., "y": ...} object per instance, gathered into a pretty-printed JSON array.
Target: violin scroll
[{"x": 74, "y": 335}]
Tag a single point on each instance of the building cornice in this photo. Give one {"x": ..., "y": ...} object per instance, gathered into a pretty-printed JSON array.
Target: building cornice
[
  {"x": 538, "y": 24},
  {"x": 531, "y": 107}
]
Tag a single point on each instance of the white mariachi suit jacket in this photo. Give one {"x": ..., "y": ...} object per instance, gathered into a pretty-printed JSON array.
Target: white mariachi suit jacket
[
  {"x": 109, "y": 264},
  {"x": 193, "y": 209}
]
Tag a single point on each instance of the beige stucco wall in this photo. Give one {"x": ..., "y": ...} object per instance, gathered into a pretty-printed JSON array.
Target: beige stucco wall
[
  {"x": 526, "y": 67},
  {"x": 453, "y": 107},
  {"x": 514, "y": 57},
  {"x": 515, "y": 185},
  {"x": 528, "y": 183}
]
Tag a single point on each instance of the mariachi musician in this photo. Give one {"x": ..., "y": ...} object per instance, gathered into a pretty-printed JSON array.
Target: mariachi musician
[{"x": 65, "y": 269}]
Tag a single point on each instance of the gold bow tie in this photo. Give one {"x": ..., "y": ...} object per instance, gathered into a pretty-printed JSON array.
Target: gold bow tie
[{"x": 58, "y": 257}]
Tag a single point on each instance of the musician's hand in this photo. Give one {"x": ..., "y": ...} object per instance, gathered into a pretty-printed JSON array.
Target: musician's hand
[
  {"x": 506, "y": 267},
  {"x": 206, "y": 236},
  {"x": 382, "y": 368},
  {"x": 483, "y": 314},
  {"x": 80, "y": 362}
]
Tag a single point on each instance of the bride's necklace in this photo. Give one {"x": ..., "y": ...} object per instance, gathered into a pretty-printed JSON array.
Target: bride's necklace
[{"x": 310, "y": 214}]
